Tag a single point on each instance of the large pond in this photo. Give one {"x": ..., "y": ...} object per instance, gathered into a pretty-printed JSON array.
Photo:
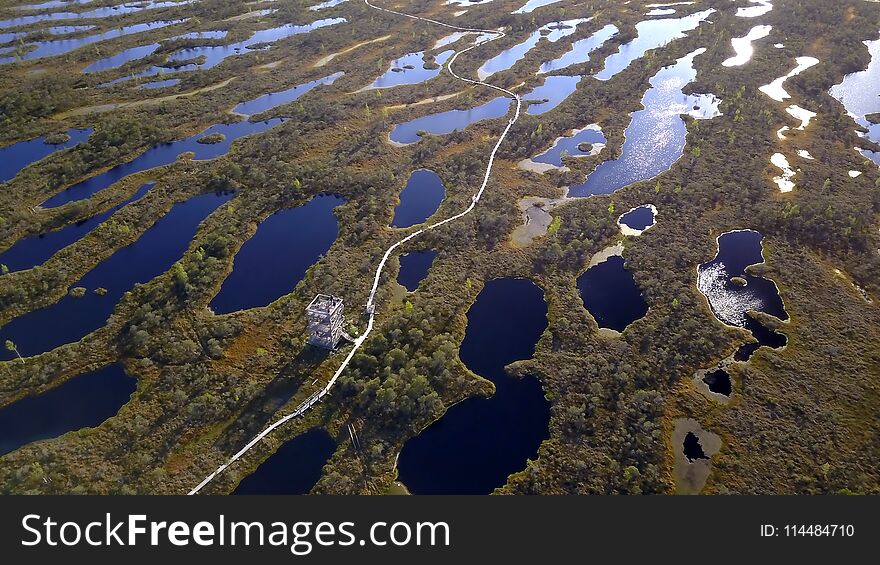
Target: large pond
[
  {"x": 60, "y": 46},
  {"x": 651, "y": 34},
  {"x": 450, "y": 121},
  {"x": 419, "y": 199},
  {"x": 16, "y": 157},
  {"x": 72, "y": 318},
  {"x": 732, "y": 291},
  {"x": 414, "y": 268},
  {"x": 411, "y": 69},
  {"x": 552, "y": 32},
  {"x": 580, "y": 50},
  {"x": 35, "y": 250},
  {"x": 275, "y": 259},
  {"x": 655, "y": 138},
  {"x": 119, "y": 59},
  {"x": 551, "y": 94},
  {"x": 611, "y": 295},
  {"x": 479, "y": 442},
  {"x": 294, "y": 468},
  {"x": 167, "y": 153},
  {"x": 81, "y": 402}
]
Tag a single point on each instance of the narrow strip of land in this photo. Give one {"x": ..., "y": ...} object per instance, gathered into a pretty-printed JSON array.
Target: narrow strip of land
[{"x": 371, "y": 306}]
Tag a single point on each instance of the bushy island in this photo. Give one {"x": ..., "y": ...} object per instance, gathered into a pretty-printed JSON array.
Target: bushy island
[{"x": 802, "y": 419}]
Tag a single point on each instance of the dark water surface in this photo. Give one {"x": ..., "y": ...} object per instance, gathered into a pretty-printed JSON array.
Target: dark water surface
[
  {"x": 479, "y": 442},
  {"x": 81, "y": 402},
  {"x": 294, "y": 468}
]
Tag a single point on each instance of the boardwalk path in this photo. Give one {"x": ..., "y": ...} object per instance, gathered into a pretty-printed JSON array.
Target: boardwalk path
[{"x": 371, "y": 306}]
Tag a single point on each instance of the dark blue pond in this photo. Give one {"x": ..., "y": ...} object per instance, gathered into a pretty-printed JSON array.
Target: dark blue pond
[
  {"x": 611, "y": 294},
  {"x": 121, "y": 58},
  {"x": 35, "y": 250},
  {"x": 71, "y": 319},
  {"x": 639, "y": 219},
  {"x": 271, "y": 263},
  {"x": 294, "y": 468},
  {"x": 16, "y": 157},
  {"x": 61, "y": 46},
  {"x": 414, "y": 268},
  {"x": 651, "y": 34},
  {"x": 655, "y": 138},
  {"x": 580, "y": 50},
  {"x": 571, "y": 146},
  {"x": 83, "y": 401},
  {"x": 450, "y": 121},
  {"x": 551, "y": 94},
  {"x": 479, "y": 442},
  {"x": 410, "y": 69},
  {"x": 105, "y": 12},
  {"x": 419, "y": 199},
  {"x": 730, "y": 302},
  {"x": 167, "y": 153}
]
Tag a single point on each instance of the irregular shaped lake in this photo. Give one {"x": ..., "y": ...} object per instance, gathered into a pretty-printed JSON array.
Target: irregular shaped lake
[
  {"x": 655, "y": 138},
  {"x": 651, "y": 34},
  {"x": 272, "y": 262},
  {"x": 732, "y": 291},
  {"x": 419, "y": 199},
  {"x": 410, "y": 69},
  {"x": 414, "y": 268},
  {"x": 611, "y": 295},
  {"x": 294, "y": 468},
  {"x": 167, "y": 153},
  {"x": 552, "y": 32},
  {"x": 479, "y": 442},
  {"x": 580, "y": 50},
  {"x": 81, "y": 402},
  {"x": 71, "y": 319},
  {"x": 859, "y": 92}
]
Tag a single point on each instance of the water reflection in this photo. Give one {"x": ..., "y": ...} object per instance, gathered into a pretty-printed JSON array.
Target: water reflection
[
  {"x": 655, "y": 138},
  {"x": 651, "y": 34}
]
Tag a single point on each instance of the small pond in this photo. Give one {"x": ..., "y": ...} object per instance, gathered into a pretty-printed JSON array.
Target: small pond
[
  {"x": 419, "y": 199},
  {"x": 414, "y": 267},
  {"x": 610, "y": 293},
  {"x": 294, "y": 468}
]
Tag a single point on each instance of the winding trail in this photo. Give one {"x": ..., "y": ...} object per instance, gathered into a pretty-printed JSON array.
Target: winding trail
[{"x": 371, "y": 306}]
